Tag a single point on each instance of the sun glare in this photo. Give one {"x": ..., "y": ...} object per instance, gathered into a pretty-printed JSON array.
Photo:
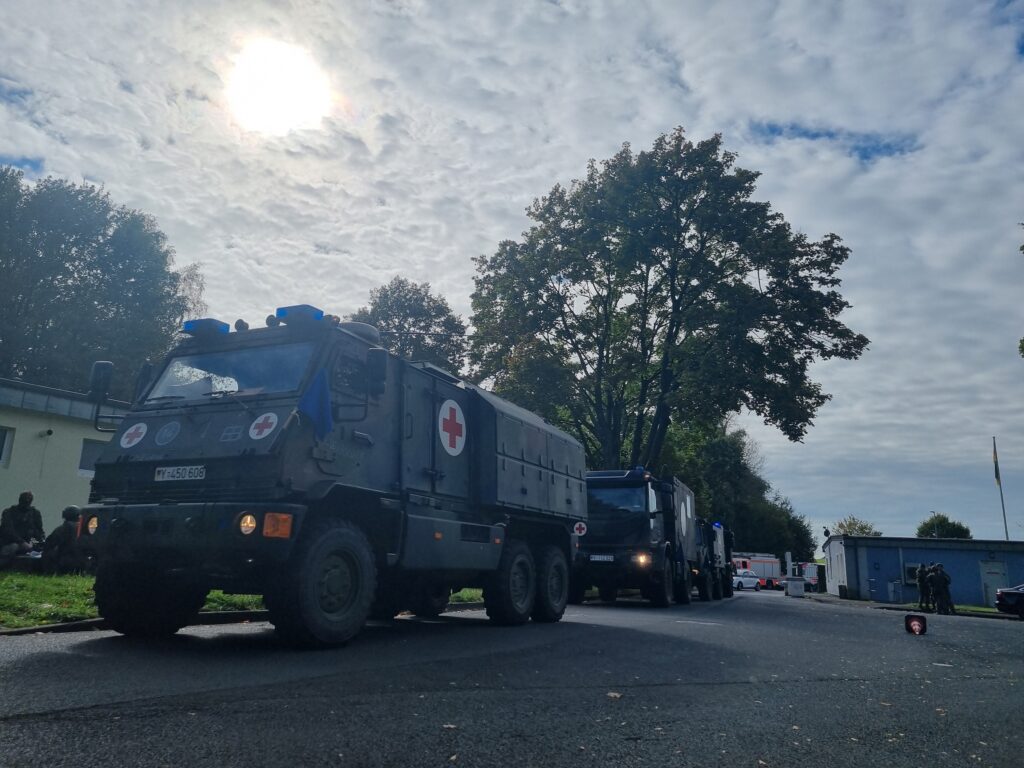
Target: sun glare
[{"x": 276, "y": 88}]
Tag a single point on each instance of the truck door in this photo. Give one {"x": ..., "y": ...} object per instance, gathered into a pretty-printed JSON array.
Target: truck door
[{"x": 436, "y": 435}]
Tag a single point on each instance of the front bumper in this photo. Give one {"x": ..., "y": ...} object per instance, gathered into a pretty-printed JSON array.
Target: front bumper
[
  {"x": 623, "y": 568},
  {"x": 204, "y": 539}
]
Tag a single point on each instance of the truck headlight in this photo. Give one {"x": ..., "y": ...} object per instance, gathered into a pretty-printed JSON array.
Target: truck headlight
[
  {"x": 642, "y": 559},
  {"x": 247, "y": 523},
  {"x": 92, "y": 525}
]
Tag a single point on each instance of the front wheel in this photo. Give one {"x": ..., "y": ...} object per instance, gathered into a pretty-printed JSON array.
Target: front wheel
[
  {"x": 577, "y": 592},
  {"x": 328, "y": 587},
  {"x": 139, "y": 603},
  {"x": 704, "y": 585},
  {"x": 661, "y": 593},
  {"x": 510, "y": 595},
  {"x": 607, "y": 594},
  {"x": 739, "y": 586},
  {"x": 681, "y": 588},
  {"x": 430, "y": 600},
  {"x": 552, "y": 585}
]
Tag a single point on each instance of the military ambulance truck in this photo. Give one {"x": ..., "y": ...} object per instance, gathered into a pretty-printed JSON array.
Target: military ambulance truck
[
  {"x": 304, "y": 463},
  {"x": 643, "y": 534}
]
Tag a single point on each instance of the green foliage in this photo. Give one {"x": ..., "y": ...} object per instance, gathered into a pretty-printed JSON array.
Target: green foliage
[
  {"x": 415, "y": 324},
  {"x": 940, "y": 526},
  {"x": 84, "y": 280},
  {"x": 722, "y": 469},
  {"x": 854, "y": 526},
  {"x": 656, "y": 291},
  {"x": 30, "y": 600}
]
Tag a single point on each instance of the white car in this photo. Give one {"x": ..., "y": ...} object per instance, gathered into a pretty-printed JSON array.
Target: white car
[{"x": 746, "y": 580}]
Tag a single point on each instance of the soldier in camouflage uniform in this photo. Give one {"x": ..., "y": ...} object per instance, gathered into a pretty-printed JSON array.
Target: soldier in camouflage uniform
[{"x": 21, "y": 528}]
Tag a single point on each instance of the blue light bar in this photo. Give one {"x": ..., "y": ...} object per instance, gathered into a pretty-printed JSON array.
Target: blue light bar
[
  {"x": 206, "y": 326},
  {"x": 299, "y": 312},
  {"x": 718, "y": 525}
]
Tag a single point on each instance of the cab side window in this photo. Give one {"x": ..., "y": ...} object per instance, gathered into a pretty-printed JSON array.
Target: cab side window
[{"x": 349, "y": 380}]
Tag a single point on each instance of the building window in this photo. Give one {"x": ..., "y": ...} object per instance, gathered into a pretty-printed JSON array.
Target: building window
[
  {"x": 6, "y": 443},
  {"x": 90, "y": 452}
]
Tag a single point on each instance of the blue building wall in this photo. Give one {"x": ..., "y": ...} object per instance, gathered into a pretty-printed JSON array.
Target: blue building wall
[{"x": 881, "y": 568}]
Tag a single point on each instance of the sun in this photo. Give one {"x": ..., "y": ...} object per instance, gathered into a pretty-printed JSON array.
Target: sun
[{"x": 276, "y": 88}]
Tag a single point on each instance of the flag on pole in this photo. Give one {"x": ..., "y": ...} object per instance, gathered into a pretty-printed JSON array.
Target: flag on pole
[{"x": 995, "y": 460}]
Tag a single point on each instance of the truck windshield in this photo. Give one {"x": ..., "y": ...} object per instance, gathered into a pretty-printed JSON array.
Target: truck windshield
[
  {"x": 250, "y": 371},
  {"x": 611, "y": 503}
]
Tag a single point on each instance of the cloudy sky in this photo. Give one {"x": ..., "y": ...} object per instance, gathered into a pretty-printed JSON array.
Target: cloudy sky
[{"x": 307, "y": 152}]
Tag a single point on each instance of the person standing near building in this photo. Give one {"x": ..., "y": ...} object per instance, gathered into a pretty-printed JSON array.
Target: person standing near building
[
  {"x": 945, "y": 598},
  {"x": 21, "y": 527},
  {"x": 924, "y": 593}
]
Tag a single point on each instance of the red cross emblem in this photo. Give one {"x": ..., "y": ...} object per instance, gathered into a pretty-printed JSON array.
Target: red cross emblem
[
  {"x": 580, "y": 528},
  {"x": 133, "y": 435},
  {"x": 451, "y": 425},
  {"x": 263, "y": 426}
]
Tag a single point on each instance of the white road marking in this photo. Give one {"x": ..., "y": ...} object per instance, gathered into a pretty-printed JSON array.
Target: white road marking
[{"x": 707, "y": 623}]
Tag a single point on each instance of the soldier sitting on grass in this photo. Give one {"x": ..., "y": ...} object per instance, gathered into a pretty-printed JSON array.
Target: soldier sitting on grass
[
  {"x": 21, "y": 529},
  {"x": 61, "y": 553}
]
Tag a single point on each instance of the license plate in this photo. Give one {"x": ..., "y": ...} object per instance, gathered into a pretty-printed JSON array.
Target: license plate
[
  {"x": 195, "y": 472},
  {"x": 602, "y": 558}
]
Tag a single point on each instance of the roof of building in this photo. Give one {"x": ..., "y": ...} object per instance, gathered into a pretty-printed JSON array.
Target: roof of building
[
  {"x": 61, "y": 402},
  {"x": 913, "y": 542}
]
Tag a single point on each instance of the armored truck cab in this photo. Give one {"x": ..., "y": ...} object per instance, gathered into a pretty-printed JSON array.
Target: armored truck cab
[
  {"x": 644, "y": 534},
  {"x": 304, "y": 463}
]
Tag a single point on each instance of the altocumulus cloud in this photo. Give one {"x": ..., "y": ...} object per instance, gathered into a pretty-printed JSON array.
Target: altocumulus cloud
[{"x": 895, "y": 125}]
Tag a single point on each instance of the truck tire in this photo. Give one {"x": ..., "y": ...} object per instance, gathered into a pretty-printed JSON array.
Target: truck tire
[
  {"x": 704, "y": 585},
  {"x": 430, "y": 599},
  {"x": 716, "y": 586},
  {"x": 681, "y": 593},
  {"x": 552, "y": 585},
  {"x": 328, "y": 587},
  {"x": 510, "y": 594},
  {"x": 577, "y": 592},
  {"x": 137, "y": 603},
  {"x": 661, "y": 593},
  {"x": 726, "y": 584},
  {"x": 607, "y": 594}
]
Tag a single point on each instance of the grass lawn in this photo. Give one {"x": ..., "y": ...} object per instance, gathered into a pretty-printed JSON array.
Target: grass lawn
[
  {"x": 29, "y": 600},
  {"x": 467, "y": 596}
]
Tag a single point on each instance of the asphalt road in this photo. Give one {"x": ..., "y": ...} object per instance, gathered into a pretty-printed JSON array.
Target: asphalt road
[{"x": 758, "y": 680}]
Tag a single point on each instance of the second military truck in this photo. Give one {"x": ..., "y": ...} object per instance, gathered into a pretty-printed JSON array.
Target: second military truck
[
  {"x": 304, "y": 463},
  {"x": 643, "y": 533}
]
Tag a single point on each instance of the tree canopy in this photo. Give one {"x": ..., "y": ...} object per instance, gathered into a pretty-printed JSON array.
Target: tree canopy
[
  {"x": 939, "y": 525},
  {"x": 84, "y": 279},
  {"x": 416, "y": 324},
  {"x": 722, "y": 468},
  {"x": 854, "y": 526},
  {"x": 654, "y": 291}
]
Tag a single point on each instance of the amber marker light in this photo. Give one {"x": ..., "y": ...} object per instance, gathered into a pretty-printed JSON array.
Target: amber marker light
[
  {"x": 247, "y": 523},
  {"x": 277, "y": 525}
]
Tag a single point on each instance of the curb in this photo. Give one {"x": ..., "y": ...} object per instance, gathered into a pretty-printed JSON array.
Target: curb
[
  {"x": 971, "y": 614},
  {"x": 206, "y": 618}
]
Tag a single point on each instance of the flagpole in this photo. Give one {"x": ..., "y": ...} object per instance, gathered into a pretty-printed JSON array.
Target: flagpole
[{"x": 999, "y": 482}]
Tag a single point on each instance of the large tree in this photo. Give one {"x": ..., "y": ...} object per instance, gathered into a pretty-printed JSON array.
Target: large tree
[
  {"x": 83, "y": 279},
  {"x": 940, "y": 526},
  {"x": 416, "y": 324},
  {"x": 656, "y": 290},
  {"x": 851, "y": 525}
]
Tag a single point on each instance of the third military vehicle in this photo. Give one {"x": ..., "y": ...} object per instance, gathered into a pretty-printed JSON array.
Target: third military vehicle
[
  {"x": 304, "y": 463},
  {"x": 643, "y": 533}
]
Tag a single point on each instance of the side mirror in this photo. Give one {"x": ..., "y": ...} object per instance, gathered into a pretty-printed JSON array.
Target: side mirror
[
  {"x": 99, "y": 380},
  {"x": 376, "y": 369}
]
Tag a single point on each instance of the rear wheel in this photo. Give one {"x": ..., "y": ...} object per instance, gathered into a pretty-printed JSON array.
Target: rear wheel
[
  {"x": 510, "y": 595},
  {"x": 552, "y": 585},
  {"x": 661, "y": 593},
  {"x": 430, "y": 599},
  {"x": 682, "y": 586},
  {"x": 137, "y": 602},
  {"x": 726, "y": 586},
  {"x": 757, "y": 587},
  {"x": 328, "y": 587}
]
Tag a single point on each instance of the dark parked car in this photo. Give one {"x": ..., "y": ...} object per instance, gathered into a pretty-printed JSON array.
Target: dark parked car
[{"x": 1011, "y": 600}]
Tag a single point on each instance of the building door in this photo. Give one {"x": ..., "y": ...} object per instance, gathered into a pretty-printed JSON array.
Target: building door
[{"x": 993, "y": 577}]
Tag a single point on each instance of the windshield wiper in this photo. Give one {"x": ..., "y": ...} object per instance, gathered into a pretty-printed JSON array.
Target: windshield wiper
[
  {"x": 233, "y": 396},
  {"x": 162, "y": 398}
]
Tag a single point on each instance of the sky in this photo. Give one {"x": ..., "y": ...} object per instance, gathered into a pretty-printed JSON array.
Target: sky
[{"x": 308, "y": 152}]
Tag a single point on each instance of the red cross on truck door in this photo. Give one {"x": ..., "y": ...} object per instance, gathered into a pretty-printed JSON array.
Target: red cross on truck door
[{"x": 451, "y": 427}]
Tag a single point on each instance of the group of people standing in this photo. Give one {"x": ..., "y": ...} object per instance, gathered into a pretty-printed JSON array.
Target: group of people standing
[
  {"x": 21, "y": 534},
  {"x": 933, "y": 589}
]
